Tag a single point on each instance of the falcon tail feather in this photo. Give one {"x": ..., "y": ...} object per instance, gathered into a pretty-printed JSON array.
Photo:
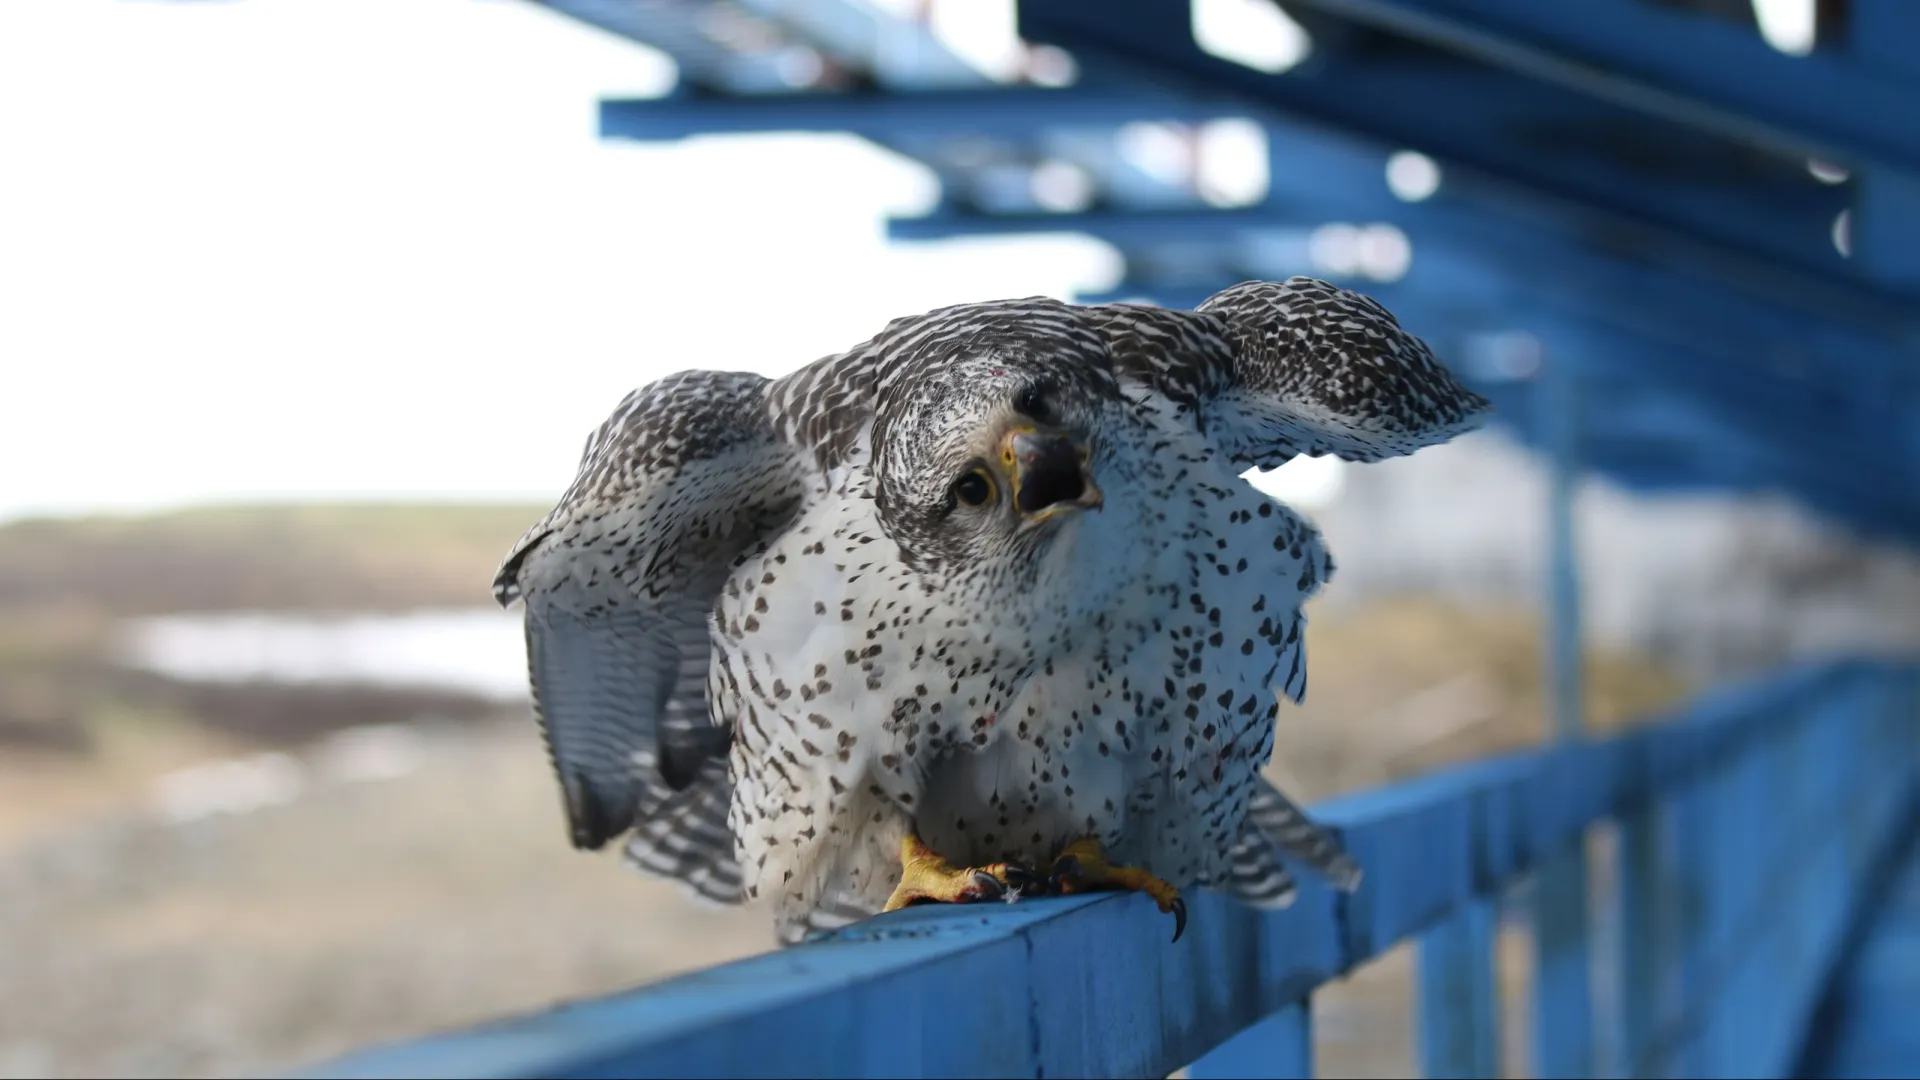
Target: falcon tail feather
[
  {"x": 1255, "y": 874},
  {"x": 1296, "y": 834},
  {"x": 686, "y": 838}
]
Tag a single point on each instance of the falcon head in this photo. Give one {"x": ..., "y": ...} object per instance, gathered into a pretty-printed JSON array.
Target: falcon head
[{"x": 988, "y": 440}]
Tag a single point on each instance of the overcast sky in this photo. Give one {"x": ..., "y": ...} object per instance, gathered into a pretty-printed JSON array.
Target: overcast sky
[{"x": 375, "y": 248}]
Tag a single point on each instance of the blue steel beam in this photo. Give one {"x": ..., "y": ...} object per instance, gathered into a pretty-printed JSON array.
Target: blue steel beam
[
  {"x": 1885, "y": 34},
  {"x": 1542, "y": 136},
  {"x": 1341, "y": 179},
  {"x": 930, "y": 125},
  {"x": 1789, "y": 202},
  {"x": 1673, "y": 418},
  {"x": 1688, "y": 66},
  {"x": 1516, "y": 262},
  {"x": 898, "y": 52},
  {"x": 1670, "y": 419},
  {"x": 1886, "y": 204},
  {"x": 899, "y": 55},
  {"x": 1322, "y": 177},
  {"x": 1850, "y": 102},
  {"x": 1693, "y": 449},
  {"x": 1681, "y": 420},
  {"x": 1433, "y": 305},
  {"x": 1015, "y": 111},
  {"x": 1717, "y": 458},
  {"x": 1319, "y": 177},
  {"x": 1859, "y": 433},
  {"x": 1683, "y": 447},
  {"x": 675, "y": 27}
]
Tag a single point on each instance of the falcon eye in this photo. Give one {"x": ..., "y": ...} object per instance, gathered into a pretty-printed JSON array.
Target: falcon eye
[{"x": 974, "y": 488}]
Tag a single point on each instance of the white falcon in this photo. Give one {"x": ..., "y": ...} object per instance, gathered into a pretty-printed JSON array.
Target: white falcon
[{"x": 979, "y": 608}]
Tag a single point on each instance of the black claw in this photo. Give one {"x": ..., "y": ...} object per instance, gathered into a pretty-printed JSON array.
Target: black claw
[
  {"x": 986, "y": 886},
  {"x": 1179, "y": 917},
  {"x": 1024, "y": 881}
]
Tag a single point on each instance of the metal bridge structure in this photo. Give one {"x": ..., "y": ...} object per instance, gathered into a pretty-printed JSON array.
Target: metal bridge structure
[{"x": 1674, "y": 254}]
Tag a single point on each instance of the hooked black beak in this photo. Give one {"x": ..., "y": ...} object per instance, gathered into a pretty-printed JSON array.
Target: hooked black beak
[{"x": 1049, "y": 474}]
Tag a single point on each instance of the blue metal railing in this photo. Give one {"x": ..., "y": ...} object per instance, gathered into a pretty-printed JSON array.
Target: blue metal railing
[{"x": 1747, "y": 829}]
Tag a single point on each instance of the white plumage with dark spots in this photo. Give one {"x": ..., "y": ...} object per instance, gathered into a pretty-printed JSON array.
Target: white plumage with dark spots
[{"x": 979, "y": 608}]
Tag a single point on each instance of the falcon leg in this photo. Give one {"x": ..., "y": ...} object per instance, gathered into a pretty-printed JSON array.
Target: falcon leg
[
  {"x": 926, "y": 877},
  {"x": 1083, "y": 867}
]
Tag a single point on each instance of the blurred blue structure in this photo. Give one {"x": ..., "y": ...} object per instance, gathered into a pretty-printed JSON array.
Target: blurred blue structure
[
  {"x": 1753, "y": 834},
  {"x": 1672, "y": 254}
]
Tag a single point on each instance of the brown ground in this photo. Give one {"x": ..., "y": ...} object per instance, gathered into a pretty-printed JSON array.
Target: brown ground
[
  {"x": 380, "y": 909},
  {"x": 346, "y": 557}
]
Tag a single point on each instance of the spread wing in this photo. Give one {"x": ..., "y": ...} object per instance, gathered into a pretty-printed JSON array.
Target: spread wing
[
  {"x": 1268, "y": 371},
  {"x": 686, "y": 477},
  {"x": 1272, "y": 370}
]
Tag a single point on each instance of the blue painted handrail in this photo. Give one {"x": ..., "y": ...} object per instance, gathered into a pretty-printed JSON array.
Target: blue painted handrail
[{"x": 1746, "y": 829}]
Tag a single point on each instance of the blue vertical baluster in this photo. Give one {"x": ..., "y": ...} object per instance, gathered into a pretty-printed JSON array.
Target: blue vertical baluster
[
  {"x": 1563, "y": 1007},
  {"x": 1639, "y": 986},
  {"x": 1563, "y": 999},
  {"x": 1910, "y": 722},
  {"x": 1279, "y": 1047},
  {"x": 1458, "y": 1007},
  {"x": 1885, "y": 223},
  {"x": 1689, "y": 860}
]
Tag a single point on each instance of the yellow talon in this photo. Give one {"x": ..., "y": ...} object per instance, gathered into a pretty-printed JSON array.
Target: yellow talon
[
  {"x": 926, "y": 877},
  {"x": 1083, "y": 867}
]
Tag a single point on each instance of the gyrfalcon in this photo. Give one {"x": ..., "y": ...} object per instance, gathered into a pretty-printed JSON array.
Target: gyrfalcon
[{"x": 979, "y": 608}]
